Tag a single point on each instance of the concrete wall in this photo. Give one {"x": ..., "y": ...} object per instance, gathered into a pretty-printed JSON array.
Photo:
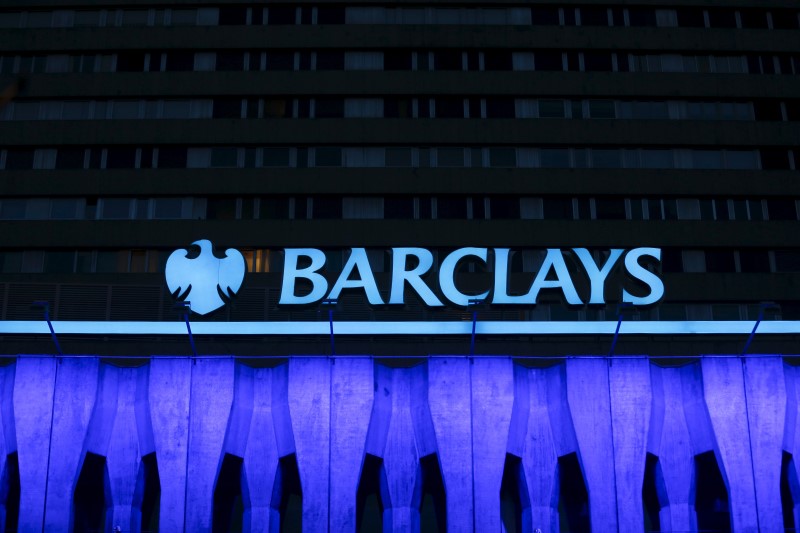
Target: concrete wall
[{"x": 467, "y": 415}]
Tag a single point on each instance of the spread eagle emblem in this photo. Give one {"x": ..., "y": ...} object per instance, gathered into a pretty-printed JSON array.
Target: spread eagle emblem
[{"x": 204, "y": 280}]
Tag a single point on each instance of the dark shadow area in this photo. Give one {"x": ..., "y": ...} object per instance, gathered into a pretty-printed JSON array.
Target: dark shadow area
[
  {"x": 90, "y": 495},
  {"x": 228, "y": 511},
  {"x": 291, "y": 495},
  {"x": 573, "y": 500},
  {"x": 10, "y": 492},
  {"x": 369, "y": 506},
  {"x": 650, "y": 503},
  {"x": 433, "y": 508},
  {"x": 513, "y": 494},
  {"x": 711, "y": 500},
  {"x": 151, "y": 498},
  {"x": 788, "y": 480}
]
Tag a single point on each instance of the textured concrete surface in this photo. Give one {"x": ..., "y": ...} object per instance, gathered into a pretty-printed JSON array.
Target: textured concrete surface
[{"x": 465, "y": 414}]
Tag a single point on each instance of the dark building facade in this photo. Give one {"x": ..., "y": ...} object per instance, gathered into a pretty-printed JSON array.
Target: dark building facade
[{"x": 129, "y": 130}]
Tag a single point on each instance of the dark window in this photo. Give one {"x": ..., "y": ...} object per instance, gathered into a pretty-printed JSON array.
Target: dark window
[
  {"x": 754, "y": 260},
  {"x": 641, "y": 17},
  {"x": 280, "y": 61},
  {"x": 500, "y": 108},
  {"x": 774, "y": 159},
  {"x": 329, "y": 108},
  {"x": 330, "y": 60},
  {"x": 181, "y": 61},
  {"x": 569, "y": 16},
  {"x": 549, "y": 61},
  {"x": 787, "y": 261},
  {"x": 171, "y": 157},
  {"x": 277, "y": 108},
  {"x": 330, "y": 15},
  {"x": 232, "y": 16},
  {"x": 690, "y": 17},
  {"x": 497, "y": 60},
  {"x": 594, "y": 16},
  {"x": 130, "y": 62},
  {"x": 451, "y": 207},
  {"x": 69, "y": 158},
  {"x": 121, "y": 158},
  {"x": 609, "y": 208},
  {"x": 303, "y": 108},
  {"x": 767, "y": 110},
  {"x": 221, "y": 208},
  {"x": 557, "y": 208},
  {"x": 784, "y": 19},
  {"x": 305, "y": 15},
  {"x": 782, "y": 209},
  {"x": 544, "y": 16},
  {"x": 274, "y": 208},
  {"x": 397, "y": 60},
  {"x": 327, "y": 207},
  {"x": 397, "y": 107},
  {"x": 473, "y": 60},
  {"x": 227, "y": 108},
  {"x": 398, "y": 207},
  {"x": 504, "y": 207},
  {"x": 305, "y": 61},
  {"x": 754, "y": 18},
  {"x": 597, "y": 62},
  {"x": 447, "y": 60},
  {"x": 230, "y": 61},
  {"x": 722, "y": 18},
  {"x": 720, "y": 261},
  {"x": 573, "y": 63},
  {"x": 328, "y": 157},
  {"x": 478, "y": 208},
  {"x": 449, "y": 108},
  {"x": 258, "y": 16},
  {"x": 281, "y": 15},
  {"x": 146, "y": 158}
]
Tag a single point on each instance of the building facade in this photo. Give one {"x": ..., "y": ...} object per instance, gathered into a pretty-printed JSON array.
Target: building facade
[{"x": 131, "y": 130}]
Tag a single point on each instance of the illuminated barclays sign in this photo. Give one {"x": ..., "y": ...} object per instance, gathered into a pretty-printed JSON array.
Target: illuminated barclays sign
[{"x": 207, "y": 281}]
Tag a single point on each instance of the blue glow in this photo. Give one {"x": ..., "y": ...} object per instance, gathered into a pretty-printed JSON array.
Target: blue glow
[{"x": 493, "y": 327}]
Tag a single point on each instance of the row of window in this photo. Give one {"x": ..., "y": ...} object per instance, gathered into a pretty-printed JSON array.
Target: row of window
[
  {"x": 399, "y": 107},
  {"x": 401, "y": 60},
  {"x": 689, "y": 17},
  {"x": 399, "y": 157},
  {"x": 265, "y": 260},
  {"x": 399, "y": 207}
]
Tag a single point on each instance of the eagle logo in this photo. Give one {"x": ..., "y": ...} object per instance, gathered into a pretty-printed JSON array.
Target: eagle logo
[{"x": 205, "y": 280}]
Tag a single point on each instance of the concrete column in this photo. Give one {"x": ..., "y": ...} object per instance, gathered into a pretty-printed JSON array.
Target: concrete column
[
  {"x": 210, "y": 405},
  {"x": 352, "y": 386},
  {"x": 669, "y": 440},
  {"x": 492, "y": 402},
  {"x": 309, "y": 408},
  {"x": 590, "y": 407},
  {"x": 34, "y": 384},
  {"x": 723, "y": 387},
  {"x": 168, "y": 394},
  {"x": 75, "y": 391},
  {"x": 260, "y": 457},
  {"x": 123, "y": 456},
  {"x": 8, "y": 437},
  {"x": 631, "y": 398},
  {"x": 540, "y": 459},
  {"x": 765, "y": 386},
  {"x": 449, "y": 400}
]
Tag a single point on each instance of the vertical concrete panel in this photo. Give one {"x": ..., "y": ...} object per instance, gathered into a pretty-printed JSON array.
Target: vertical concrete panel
[
  {"x": 34, "y": 384},
  {"x": 539, "y": 459},
  {"x": 309, "y": 409},
  {"x": 168, "y": 393},
  {"x": 766, "y": 408},
  {"x": 670, "y": 441},
  {"x": 449, "y": 400},
  {"x": 791, "y": 437},
  {"x": 7, "y": 433},
  {"x": 492, "y": 403},
  {"x": 589, "y": 404},
  {"x": 260, "y": 457},
  {"x": 352, "y": 387},
  {"x": 629, "y": 380},
  {"x": 76, "y": 388},
  {"x": 400, "y": 484},
  {"x": 210, "y": 406},
  {"x": 723, "y": 387},
  {"x": 123, "y": 458}
]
